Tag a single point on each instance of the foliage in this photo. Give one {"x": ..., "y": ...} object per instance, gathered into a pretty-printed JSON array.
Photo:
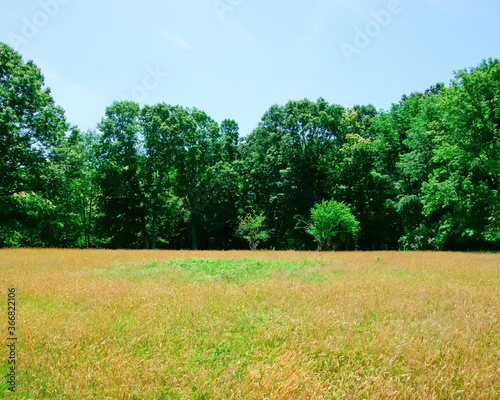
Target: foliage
[
  {"x": 287, "y": 158},
  {"x": 31, "y": 128},
  {"x": 424, "y": 174},
  {"x": 463, "y": 190},
  {"x": 251, "y": 228},
  {"x": 121, "y": 200},
  {"x": 332, "y": 222}
]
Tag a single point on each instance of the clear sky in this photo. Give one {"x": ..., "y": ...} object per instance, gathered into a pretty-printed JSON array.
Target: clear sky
[{"x": 236, "y": 58}]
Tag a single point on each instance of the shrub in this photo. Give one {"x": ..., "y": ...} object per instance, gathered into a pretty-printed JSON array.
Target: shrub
[
  {"x": 332, "y": 222},
  {"x": 252, "y": 229}
]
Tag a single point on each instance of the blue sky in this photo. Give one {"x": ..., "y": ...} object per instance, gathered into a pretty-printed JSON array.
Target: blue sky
[{"x": 236, "y": 58}]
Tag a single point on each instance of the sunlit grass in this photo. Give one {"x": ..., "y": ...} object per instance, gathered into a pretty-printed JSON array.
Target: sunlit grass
[
  {"x": 278, "y": 325},
  {"x": 213, "y": 270}
]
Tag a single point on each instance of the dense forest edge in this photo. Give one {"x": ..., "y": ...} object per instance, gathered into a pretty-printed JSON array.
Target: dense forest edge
[{"x": 424, "y": 175}]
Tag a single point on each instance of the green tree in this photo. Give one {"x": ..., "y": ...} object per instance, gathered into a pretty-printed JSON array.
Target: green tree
[
  {"x": 414, "y": 167},
  {"x": 285, "y": 164},
  {"x": 31, "y": 127},
  {"x": 332, "y": 222},
  {"x": 463, "y": 189},
  {"x": 403, "y": 144},
  {"x": 188, "y": 175},
  {"x": 355, "y": 181},
  {"x": 251, "y": 228},
  {"x": 230, "y": 139},
  {"x": 72, "y": 188},
  {"x": 201, "y": 149},
  {"x": 121, "y": 199},
  {"x": 163, "y": 127}
]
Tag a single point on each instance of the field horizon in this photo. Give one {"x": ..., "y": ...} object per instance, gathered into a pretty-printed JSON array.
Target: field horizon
[{"x": 163, "y": 324}]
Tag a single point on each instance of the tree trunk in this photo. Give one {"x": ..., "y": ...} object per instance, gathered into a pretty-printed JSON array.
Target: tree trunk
[
  {"x": 194, "y": 235},
  {"x": 90, "y": 215},
  {"x": 153, "y": 232},
  {"x": 85, "y": 230},
  {"x": 145, "y": 236}
]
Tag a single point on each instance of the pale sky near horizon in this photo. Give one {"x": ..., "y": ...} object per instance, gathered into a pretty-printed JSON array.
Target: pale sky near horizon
[{"x": 236, "y": 58}]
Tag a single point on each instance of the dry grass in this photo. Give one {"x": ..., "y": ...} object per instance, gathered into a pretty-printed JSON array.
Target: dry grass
[{"x": 380, "y": 325}]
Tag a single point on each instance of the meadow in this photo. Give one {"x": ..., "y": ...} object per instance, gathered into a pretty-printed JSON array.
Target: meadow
[{"x": 102, "y": 324}]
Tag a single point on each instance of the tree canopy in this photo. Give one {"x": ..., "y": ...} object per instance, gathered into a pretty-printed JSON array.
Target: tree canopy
[
  {"x": 332, "y": 222},
  {"x": 424, "y": 174}
]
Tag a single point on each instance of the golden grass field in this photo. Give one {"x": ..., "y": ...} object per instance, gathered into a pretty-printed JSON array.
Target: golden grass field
[{"x": 95, "y": 324}]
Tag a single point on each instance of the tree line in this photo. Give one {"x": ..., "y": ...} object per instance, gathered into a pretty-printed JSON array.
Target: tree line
[{"x": 423, "y": 175}]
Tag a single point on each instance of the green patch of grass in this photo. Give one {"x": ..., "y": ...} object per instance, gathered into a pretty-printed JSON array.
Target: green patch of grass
[
  {"x": 4, "y": 370},
  {"x": 218, "y": 270}
]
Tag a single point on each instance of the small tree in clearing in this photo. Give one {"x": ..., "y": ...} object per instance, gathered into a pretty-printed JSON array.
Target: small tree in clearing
[
  {"x": 252, "y": 229},
  {"x": 331, "y": 221}
]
